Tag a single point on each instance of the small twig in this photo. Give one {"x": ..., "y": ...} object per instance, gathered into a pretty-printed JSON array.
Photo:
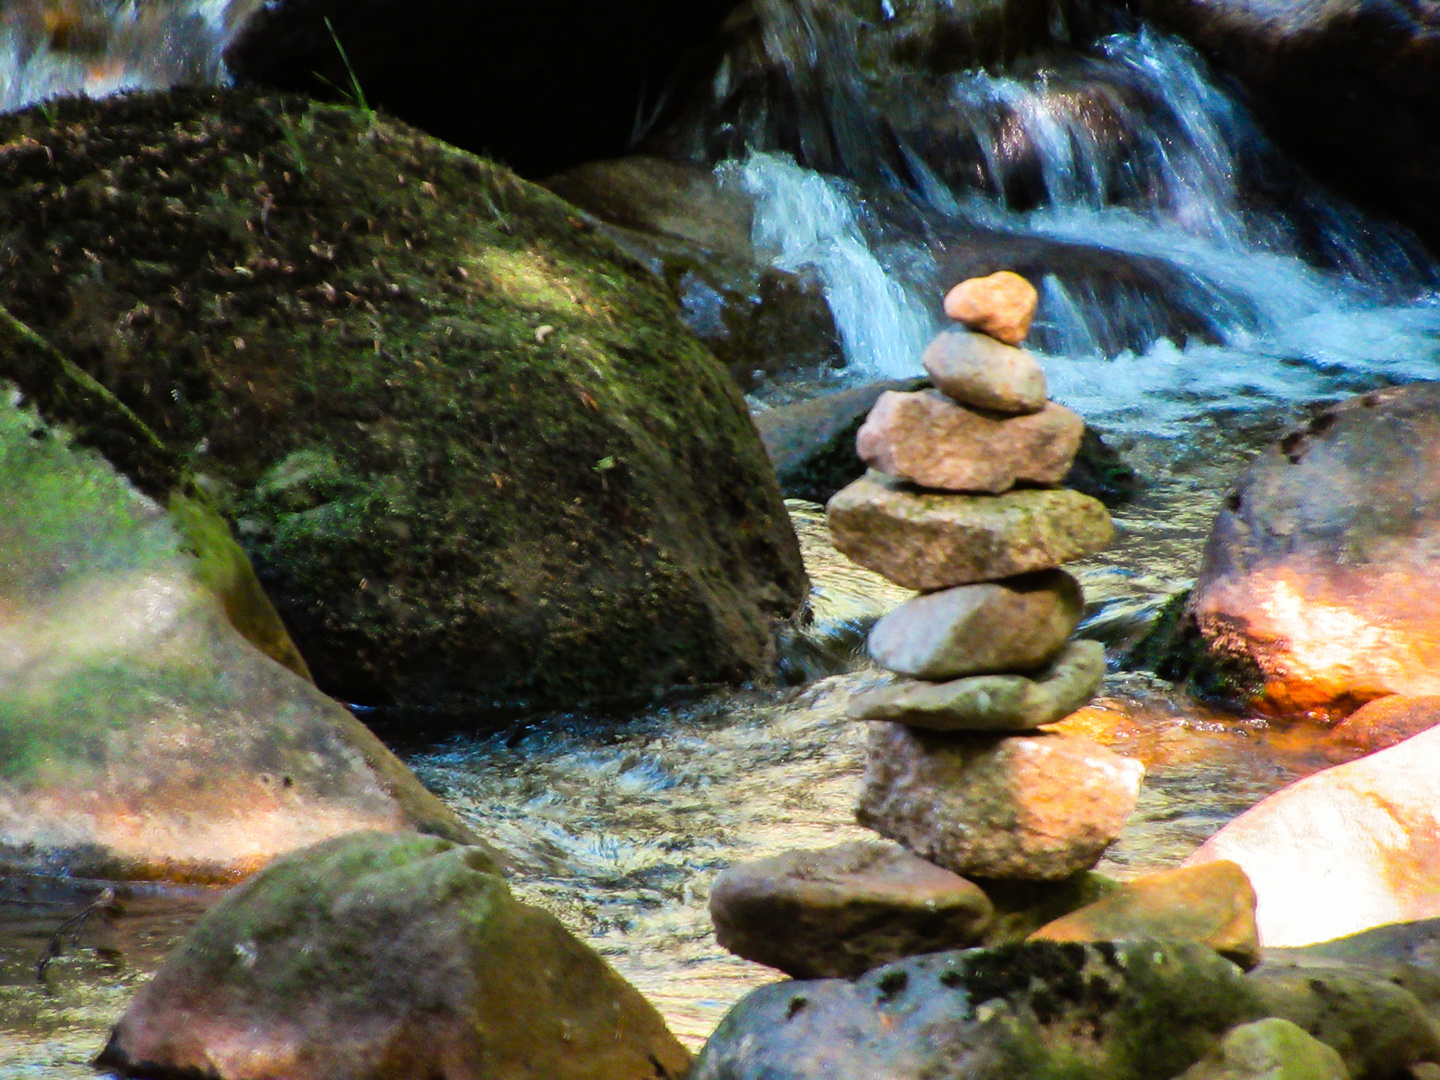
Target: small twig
[{"x": 74, "y": 927}]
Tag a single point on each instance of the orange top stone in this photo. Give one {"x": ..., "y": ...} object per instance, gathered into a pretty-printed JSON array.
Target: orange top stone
[{"x": 1001, "y": 305}]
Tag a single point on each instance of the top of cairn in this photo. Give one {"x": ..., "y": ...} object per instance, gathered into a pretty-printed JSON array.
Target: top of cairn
[{"x": 1001, "y": 305}]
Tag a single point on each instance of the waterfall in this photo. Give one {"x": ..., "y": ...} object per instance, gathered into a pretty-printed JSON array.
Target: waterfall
[{"x": 1131, "y": 152}]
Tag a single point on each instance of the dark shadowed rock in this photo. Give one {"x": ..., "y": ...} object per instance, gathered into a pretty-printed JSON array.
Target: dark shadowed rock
[
  {"x": 387, "y": 958},
  {"x": 1319, "y": 572},
  {"x": 472, "y": 452},
  {"x": 841, "y": 911},
  {"x": 1127, "y": 1011}
]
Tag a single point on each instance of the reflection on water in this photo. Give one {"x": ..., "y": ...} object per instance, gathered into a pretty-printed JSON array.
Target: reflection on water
[{"x": 620, "y": 827}]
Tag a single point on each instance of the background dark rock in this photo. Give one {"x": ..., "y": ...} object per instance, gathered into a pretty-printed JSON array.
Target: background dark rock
[{"x": 471, "y": 450}]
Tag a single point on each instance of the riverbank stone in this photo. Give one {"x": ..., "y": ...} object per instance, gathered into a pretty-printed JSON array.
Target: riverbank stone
[
  {"x": 150, "y": 727},
  {"x": 476, "y": 459},
  {"x": 975, "y": 369},
  {"x": 929, "y": 440},
  {"x": 838, "y": 912},
  {"x": 386, "y": 958},
  {"x": 1380, "y": 724},
  {"x": 1364, "y": 836},
  {"x": 933, "y": 540},
  {"x": 1318, "y": 575},
  {"x": 1033, "y": 807},
  {"x": 1121, "y": 1011},
  {"x": 1001, "y": 305},
  {"x": 1018, "y": 624},
  {"x": 1269, "y": 1049},
  {"x": 990, "y": 702},
  {"x": 1213, "y": 904}
]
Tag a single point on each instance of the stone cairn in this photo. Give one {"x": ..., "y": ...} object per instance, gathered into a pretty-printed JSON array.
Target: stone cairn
[{"x": 960, "y": 505}]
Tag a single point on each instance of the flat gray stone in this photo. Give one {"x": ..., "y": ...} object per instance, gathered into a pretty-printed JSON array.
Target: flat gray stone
[
  {"x": 993, "y": 703},
  {"x": 1015, "y": 625},
  {"x": 933, "y": 540},
  {"x": 841, "y": 911},
  {"x": 1030, "y": 807},
  {"x": 975, "y": 369},
  {"x": 926, "y": 438}
]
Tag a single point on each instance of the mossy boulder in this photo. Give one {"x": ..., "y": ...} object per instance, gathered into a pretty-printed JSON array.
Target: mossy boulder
[
  {"x": 374, "y": 957},
  {"x": 471, "y": 450},
  {"x": 144, "y": 730}
]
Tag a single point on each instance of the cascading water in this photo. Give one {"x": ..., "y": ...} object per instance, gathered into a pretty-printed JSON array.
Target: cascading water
[{"x": 1131, "y": 153}]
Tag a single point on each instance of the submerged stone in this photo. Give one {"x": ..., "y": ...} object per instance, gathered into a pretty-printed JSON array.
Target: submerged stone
[
  {"x": 1034, "y": 807},
  {"x": 927, "y": 540},
  {"x": 470, "y": 448},
  {"x": 929, "y": 440},
  {"x": 1124, "y": 1011},
  {"x": 387, "y": 958},
  {"x": 975, "y": 369},
  {"x": 841, "y": 911},
  {"x": 991, "y": 702},
  {"x": 1018, "y": 624}
]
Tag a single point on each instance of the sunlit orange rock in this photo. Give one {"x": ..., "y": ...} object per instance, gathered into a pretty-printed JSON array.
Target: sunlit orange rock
[
  {"x": 1348, "y": 848},
  {"x": 1320, "y": 573},
  {"x": 1380, "y": 724},
  {"x": 1001, "y": 305}
]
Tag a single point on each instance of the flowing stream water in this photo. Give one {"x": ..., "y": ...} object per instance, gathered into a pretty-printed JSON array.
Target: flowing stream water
[{"x": 619, "y": 824}]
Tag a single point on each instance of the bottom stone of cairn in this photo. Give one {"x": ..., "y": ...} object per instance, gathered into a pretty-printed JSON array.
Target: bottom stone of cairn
[{"x": 1036, "y": 807}]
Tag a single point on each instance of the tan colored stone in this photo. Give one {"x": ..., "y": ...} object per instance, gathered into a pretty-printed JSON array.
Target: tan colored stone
[
  {"x": 373, "y": 957},
  {"x": 991, "y": 702},
  {"x": 933, "y": 540},
  {"x": 844, "y": 910},
  {"x": 926, "y": 438},
  {"x": 1036, "y": 807},
  {"x": 1018, "y": 624},
  {"x": 975, "y": 369},
  {"x": 1001, "y": 305},
  {"x": 1213, "y": 904},
  {"x": 1348, "y": 848}
]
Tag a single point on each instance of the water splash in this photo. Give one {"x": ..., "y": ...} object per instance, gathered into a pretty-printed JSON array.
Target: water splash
[
  {"x": 58, "y": 48},
  {"x": 804, "y": 220}
]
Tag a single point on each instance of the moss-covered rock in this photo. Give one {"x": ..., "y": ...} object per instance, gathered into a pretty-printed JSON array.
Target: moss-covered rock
[
  {"x": 373, "y": 957},
  {"x": 144, "y": 732},
  {"x": 468, "y": 445}
]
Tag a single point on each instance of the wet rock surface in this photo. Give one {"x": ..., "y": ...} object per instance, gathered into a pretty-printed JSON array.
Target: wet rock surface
[
  {"x": 990, "y": 702},
  {"x": 375, "y": 957},
  {"x": 471, "y": 450},
  {"x": 1121, "y": 1011},
  {"x": 1364, "y": 836},
  {"x": 1379, "y": 725},
  {"x": 143, "y": 733},
  {"x": 927, "y": 439},
  {"x": 1316, "y": 576},
  {"x": 933, "y": 540},
  {"x": 1030, "y": 807},
  {"x": 841, "y": 911}
]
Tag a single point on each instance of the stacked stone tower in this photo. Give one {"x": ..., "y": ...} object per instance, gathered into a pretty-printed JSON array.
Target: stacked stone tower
[{"x": 960, "y": 504}]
